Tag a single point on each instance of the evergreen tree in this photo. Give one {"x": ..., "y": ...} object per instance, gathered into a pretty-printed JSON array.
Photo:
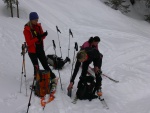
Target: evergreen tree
[
  {"x": 147, "y": 7},
  {"x": 132, "y": 2},
  {"x": 118, "y": 5},
  {"x": 11, "y": 4},
  {"x": 8, "y": 2}
]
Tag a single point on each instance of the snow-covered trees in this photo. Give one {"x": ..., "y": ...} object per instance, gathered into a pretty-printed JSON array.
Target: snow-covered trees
[
  {"x": 11, "y": 4},
  {"x": 118, "y": 5}
]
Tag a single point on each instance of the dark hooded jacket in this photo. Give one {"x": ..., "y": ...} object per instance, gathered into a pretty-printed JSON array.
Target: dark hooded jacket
[{"x": 93, "y": 56}]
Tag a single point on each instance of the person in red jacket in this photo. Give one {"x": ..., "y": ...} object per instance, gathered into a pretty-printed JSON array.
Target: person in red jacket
[{"x": 34, "y": 37}]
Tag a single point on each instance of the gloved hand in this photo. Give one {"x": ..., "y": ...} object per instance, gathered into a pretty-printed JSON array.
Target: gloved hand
[
  {"x": 70, "y": 86},
  {"x": 39, "y": 37},
  {"x": 45, "y": 33},
  {"x": 97, "y": 70}
]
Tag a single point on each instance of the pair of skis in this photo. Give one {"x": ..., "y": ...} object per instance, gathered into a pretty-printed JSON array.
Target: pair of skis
[
  {"x": 46, "y": 101},
  {"x": 51, "y": 97},
  {"x": 100, "y": 97}
]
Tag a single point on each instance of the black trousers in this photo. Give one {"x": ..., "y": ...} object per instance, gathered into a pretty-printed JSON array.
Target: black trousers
[
  {"x": 40, "y": 55},
  {"x": 98, "y": 81},
  {"x": 85, "y": 67}
]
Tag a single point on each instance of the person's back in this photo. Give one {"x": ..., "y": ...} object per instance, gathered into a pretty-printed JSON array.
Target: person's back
[
  {"x": 85, "y": 44},
  {"x": 92, "y": 55}
]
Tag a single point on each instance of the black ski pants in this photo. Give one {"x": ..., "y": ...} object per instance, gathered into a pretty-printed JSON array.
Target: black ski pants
[
  {"x": 40, "y": 55},
  {"x": 85, "y": 66}
]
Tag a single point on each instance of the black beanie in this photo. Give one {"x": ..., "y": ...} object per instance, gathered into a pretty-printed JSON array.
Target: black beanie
[{"x": 96, "y": 39}]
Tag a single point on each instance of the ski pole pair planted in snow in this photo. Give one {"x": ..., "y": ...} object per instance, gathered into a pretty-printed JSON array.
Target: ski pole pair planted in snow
[
  {"x": 75, "y": 49},
  {"x": 24, "y": 51},
  {"x": 70, "y": 33},
  {"x": 57, "y": 61}
]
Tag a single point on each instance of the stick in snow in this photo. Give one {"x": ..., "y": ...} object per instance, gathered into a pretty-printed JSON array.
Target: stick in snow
[
  {"x": 103, "y": 102},
  {"x": 75, "y": 100}
]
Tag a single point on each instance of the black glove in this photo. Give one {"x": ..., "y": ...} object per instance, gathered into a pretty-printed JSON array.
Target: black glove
[
  {"x": 101, "y": 55},
  {"x": 45, "y": 33},
  {"x": 39, "y": 37}
]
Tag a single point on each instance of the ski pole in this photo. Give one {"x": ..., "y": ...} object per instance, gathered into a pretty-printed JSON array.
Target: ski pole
[
  {"x": 116, "y": 81},
  {"x": 32, "y": 88},
  {"x": 59, "y": 40},
  {"x": 57, "y": 61},
  {"x": 70, "y": 33},
  {"x": 75, "y": 49},
  {"x": 30, "y": 95},
  {"x": 24, "y": 50},
  {"x": 22, "y": 53}
]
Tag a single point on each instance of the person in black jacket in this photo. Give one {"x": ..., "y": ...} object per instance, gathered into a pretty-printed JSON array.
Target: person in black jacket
[{"x": 86, "y": 56}]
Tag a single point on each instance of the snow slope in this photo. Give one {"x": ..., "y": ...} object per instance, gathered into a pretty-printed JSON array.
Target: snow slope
[{"x": 124, "y": 44}]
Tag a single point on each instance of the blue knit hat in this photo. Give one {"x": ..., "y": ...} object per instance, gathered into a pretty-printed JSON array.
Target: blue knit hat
[{"x": 33, "y": 16}]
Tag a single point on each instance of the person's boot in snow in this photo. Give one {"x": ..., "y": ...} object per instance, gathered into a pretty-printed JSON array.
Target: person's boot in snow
[
  {"x": 67, "y": 60},
  {"x": 54, "y": 84},
  {"x": 99, "y": 92}
]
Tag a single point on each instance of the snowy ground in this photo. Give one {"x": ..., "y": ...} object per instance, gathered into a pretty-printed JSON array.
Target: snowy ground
[{"x": 124, "y": 44}]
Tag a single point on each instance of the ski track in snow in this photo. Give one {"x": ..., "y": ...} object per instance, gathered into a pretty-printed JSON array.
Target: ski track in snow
[
  {"x": 129, "y": 53},
  {"x": 9, "y": 100},
  {"x": 133, "y": 53}
]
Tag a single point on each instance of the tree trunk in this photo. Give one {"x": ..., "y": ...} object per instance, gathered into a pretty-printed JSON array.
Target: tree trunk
[
  {"x": 17, "y": 8},
  {"x": 132, "y": 2},
  {"x": 11, "y": 8}
]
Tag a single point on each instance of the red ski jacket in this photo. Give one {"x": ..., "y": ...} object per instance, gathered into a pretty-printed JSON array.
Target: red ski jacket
[{"x": 31, "y": 36}]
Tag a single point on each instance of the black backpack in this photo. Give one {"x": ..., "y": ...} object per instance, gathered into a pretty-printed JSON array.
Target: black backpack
[
  {"x": 86, "y": 88},
  {"x": 55, "y": 61}
]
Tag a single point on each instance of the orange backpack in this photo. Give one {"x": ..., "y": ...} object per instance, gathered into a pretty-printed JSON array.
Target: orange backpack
[{"x": 42, "y": 86}]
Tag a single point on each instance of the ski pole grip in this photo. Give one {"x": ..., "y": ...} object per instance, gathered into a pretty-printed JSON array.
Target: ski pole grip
[
  {"x": 76, "y": 46},
  {"x": 54, "y": 44},
  {"x": 70, "y": 33},
  {"x": 22, "y": 47},
  {"x": 25, "y": 44},
  {"x": 58, "y": 29}
]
